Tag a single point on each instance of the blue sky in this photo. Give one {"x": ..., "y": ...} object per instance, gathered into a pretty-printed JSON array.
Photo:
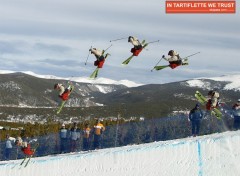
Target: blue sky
[{"x": 53, "y": 37}]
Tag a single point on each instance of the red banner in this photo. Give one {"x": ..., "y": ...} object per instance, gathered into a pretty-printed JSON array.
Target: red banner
[{"x": 200, "y": 6}]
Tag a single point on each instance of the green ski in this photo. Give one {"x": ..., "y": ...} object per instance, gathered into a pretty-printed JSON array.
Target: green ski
[
  {"x": 94, "y": 74},
  {"x": 160, "y": 67}
]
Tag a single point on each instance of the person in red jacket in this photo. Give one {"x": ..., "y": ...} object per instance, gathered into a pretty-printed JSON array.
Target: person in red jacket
[{"x": 25, "y": 147}]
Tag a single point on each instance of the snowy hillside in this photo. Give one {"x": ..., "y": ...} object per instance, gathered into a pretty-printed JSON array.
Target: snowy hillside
[
  {"x": 232, "y": 82},
  {"x": 216, "y": 154},
  {"x": 80, "y": 79}
]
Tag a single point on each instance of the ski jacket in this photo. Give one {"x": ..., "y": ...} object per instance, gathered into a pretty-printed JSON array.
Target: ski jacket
[
  {"x": 98, "y": 129},
  {"x": 195, "y": 114},
  {"x": 97, "y": 52},
  {"x": 134, "y": 41},
  {"x": 61, "y": 89},
  {"x": 63, "y": 133},
  {"x": 214, "y": 99},
  {"x": 8, "y": 144},
  {"x": 74, "y": 134},
  {"x": 173, "y": 58},
  {"x": 86, "y": 132}
]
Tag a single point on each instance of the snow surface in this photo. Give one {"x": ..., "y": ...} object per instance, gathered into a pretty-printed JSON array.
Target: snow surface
[
  {"x": 234, "y": 82},
  {"x": 211, "y": 155},
  {"x": 79, "y": 79}
]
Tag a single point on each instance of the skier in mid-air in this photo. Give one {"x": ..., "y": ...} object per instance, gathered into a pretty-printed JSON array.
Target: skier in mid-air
[
  {"x": 100, "y": 57},
  {"x": 175, "y": 60},
  {"x": 213, "y": 100},
  {"x": 137, "y": 45},
  {"x": 63, "y": 93},
  {"x": 25, "y": 147}
]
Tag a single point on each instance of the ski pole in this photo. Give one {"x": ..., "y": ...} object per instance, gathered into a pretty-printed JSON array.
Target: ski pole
[
  {"x": 157, "y": 64},
  {"x": 118, "y": 39},
  {"x": 88, "y": 55},
  {"x": 153, "y": 41},
  {"x": 192, "y": 55},
  {"x": 107, "y": 48}
]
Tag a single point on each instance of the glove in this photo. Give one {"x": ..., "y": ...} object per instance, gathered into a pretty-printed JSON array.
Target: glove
[
  {"x": 163, "y": 56},
  {"x": 90, "y": 49}
]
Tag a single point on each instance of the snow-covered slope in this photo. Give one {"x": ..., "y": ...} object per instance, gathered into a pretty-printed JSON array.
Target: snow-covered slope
[
  {"x": 217, "y": 154},
  {"x": 80, "y": 79},
  {"x": 233, "y": 82}
]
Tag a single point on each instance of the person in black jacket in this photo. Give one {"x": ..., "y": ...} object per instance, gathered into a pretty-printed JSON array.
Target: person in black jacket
[{"x": 195, "y": 117}]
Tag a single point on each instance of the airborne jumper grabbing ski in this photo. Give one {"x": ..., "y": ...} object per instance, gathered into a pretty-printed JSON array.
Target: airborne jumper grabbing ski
[
  {"x": 26, "y": 149},
  {"x": 211, "y": 103},
  {"x": 100, "y": 59},
  {"x": 63, "y": 94},
  {"x": 137, "y": 48},
  {"x": 174, "y": 60}
]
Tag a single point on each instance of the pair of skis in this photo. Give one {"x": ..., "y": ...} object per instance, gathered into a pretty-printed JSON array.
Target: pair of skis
[{"x": 203, "y": 100}]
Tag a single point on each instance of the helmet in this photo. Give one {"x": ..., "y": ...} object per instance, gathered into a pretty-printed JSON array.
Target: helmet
[
  {"x": 170, "y": 53},
  {"x": 56, "y": 85},
  {"x": 197, "y": 105},
  {"x": 238, "y": 100},
  {"x": 129, "y": 38}
]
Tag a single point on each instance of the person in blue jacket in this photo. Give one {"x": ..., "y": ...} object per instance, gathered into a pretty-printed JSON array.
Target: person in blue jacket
[{"x": 195, "y": 117}]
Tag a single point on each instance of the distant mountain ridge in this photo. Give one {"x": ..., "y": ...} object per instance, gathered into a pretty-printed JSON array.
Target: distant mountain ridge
[{"x": 152, "y": 100}]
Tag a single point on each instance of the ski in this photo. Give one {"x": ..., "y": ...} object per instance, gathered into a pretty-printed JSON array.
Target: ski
[
  {"x": 161, "y": 67},
  {"x": 23, "y": 160},
  {"x": 59, "y": 109},
  {"x": 94, "y": 74},
  {"x": 203, "y": 100},
  {"x": 127, "y": 60}
]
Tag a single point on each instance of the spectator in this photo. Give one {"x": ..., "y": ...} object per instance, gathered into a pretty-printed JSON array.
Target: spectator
[
  {"x": 86, "y": 137},
  {"x": 63, "y": 139},
  {"x": 98, "y": 129},
  {"x": 195, "y": 117},
  {"x": 236, "y": 114},
  {"x": 8, "y": 147},
  {"x": 74, "y": 136}
]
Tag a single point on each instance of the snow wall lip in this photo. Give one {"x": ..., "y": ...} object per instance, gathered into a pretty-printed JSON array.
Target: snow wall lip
[{"x": 214, "y": 154}]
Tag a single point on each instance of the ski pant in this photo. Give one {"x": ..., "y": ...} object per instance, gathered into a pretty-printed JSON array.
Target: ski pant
[
  {"x": 73, "y": 145},
  {"x": 195, "y": 127},
  {"x": 86, "y": 143},
  {"x": 8, "y": 153},
  {"x": 63, "y": 145},
  {"x": 97, "y": 141},
  {"x": 236, "y": 123}
]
